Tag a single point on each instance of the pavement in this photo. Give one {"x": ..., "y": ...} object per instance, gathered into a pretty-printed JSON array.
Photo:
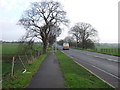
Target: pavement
[
  {"x": 49, "y": 74},
  {"x": 106, "y": 67}
]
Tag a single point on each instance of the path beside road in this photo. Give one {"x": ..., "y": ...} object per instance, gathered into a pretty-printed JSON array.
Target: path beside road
[{"x": 49, "y": 74}]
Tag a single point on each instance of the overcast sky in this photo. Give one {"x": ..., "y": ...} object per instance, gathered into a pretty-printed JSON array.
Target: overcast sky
[{"x": 101, "y": 14}]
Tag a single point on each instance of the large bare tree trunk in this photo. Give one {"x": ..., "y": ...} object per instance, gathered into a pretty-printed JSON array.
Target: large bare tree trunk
[
  {"x": 44, "y": 47},
  {"x": 45, "y": 44},
  {"x": 83, "y": 44},
  {"x": 77, "y": 42}
]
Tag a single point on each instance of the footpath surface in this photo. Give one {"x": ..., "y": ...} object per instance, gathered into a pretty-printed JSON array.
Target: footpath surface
[{"x": 49, "y": 74}]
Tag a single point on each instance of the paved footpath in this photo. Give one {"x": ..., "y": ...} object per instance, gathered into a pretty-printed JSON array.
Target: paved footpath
[{"x": 49, "y": 74}]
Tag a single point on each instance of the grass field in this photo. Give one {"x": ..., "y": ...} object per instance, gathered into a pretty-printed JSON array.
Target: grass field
[
  {"x": 77, "y": 77},
  {"x": 104, "y": 49},
  {"x": 21, "y": 80},
  {"x": 0, "y": 62},
  {"x": 108, "y": 50},
  {"x": 0, "y": 48},
  {"x": 13, "y": 48},
  {"x": 8, "y": 48},
  {"x": 8, "y": 51}
]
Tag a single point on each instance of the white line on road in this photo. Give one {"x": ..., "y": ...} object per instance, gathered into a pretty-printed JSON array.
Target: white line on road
[
  {"x": 96, "y": 56},
  {"x": 112, "y": 60},
  {"x": 94, "y": 74},
  {"x": 105, "y": 72},
  {"x": 103, "y": 58},
  {"x": 91, "y": 71}
]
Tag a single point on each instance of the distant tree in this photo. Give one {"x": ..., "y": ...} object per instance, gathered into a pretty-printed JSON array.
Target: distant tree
[
  {"x": 75, "y": 32},
  {"x": 85, "y": 34},
  {"x": 39, "y": 19},
  {"x": 60, "y": 42},
  {"x": 70, "y": 40},
  {"x": 89, "y": 44}
]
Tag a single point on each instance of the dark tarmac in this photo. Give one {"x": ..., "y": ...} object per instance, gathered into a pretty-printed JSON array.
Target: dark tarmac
[
  {"x": 106, "y": 67},
  {"x": 49, "y": 74}
]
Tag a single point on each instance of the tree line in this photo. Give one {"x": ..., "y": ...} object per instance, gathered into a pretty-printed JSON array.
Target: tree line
[
  {"x": 83, "y": 36},
  {"x": 43, "y": 20}
]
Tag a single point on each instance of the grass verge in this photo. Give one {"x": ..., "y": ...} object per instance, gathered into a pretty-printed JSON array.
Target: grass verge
[
  {"x": 108, "y": 53},
  {"x": 21, "y": 80},
  {"x": 76, "y": 76}
]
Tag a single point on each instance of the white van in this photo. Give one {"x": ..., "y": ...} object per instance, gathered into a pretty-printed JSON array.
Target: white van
[{"x": 65, "y": 46}]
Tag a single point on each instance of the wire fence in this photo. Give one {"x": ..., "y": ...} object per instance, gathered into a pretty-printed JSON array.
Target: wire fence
[
  {"x": 108, "y": 50},
  {"x": 18, "y": 62}
]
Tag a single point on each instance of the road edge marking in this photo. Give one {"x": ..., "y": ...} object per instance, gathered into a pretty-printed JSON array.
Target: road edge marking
[
  {"x": 105, "y": 72},
  {"x": 94, "y": 74},
  {"x": 89, "y": 70}
]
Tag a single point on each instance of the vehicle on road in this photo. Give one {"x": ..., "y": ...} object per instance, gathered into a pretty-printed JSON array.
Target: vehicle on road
[{"x": 65, "y": 46}]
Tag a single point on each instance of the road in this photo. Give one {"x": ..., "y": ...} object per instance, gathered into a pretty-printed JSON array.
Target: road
[{"x": 103, "y": 66}]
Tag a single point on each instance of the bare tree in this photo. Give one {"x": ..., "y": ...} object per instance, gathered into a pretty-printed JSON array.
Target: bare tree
[
  {"x": 55, "y": 32},
  {"x": 39, "y": 19},
  {"x": 69, "y": 39},
  {"x": 60, "y": 42},
  {"x": 75, "y": 32},
  {"x": 84, "y": 34}
]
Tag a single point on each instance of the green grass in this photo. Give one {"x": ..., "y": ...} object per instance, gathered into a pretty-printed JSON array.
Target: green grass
[
  {"x": 20, "y": 79},
  {"x": 13, "y": 48},
  {"x": 114, "y": 53},
  {"x": 0, "y": 68},
  {"x": 76, "y": 76},
  {"x": 0, "y": 48},
  {"x": 6, "y": 68},
  {"x": 8, "y": 51},
  {"x": 8, "y": 48}
]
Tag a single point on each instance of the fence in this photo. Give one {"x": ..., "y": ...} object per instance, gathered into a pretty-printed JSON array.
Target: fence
[
  {"x": 18, "y": 62},
  {"x": 108, "y": 50}
]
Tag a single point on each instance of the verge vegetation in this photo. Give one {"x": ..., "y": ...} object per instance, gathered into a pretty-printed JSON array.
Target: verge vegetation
[
  {"x": 104, "y": 50},
  {"x": 31, "y": 57},
  {"x": 13, "y": 49},
  {"x": 20, "y": 79},
  {"x": 76, "y": 76}
]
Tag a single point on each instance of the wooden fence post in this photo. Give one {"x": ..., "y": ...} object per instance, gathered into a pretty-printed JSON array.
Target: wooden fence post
[{"x": 12, "y": 73}]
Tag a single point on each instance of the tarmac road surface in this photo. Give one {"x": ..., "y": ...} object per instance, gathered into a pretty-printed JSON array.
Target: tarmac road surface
[{"x": 106, "y": 67}]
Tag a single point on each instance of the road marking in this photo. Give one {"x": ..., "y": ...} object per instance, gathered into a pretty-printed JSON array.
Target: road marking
[
  {"x": 89, "y": 70},
  {"x": 112, "y": 60},
  {"x": 94, "y": 74},
  {"x": 103, "y": 58},
  {"x": 105, "y": 72},
  {"x": 95, "y": 56}
]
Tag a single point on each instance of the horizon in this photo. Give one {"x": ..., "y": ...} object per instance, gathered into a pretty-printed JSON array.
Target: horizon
[
  {"x": 15, "y": 41},
  {"x": 98, "y": 17}
]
